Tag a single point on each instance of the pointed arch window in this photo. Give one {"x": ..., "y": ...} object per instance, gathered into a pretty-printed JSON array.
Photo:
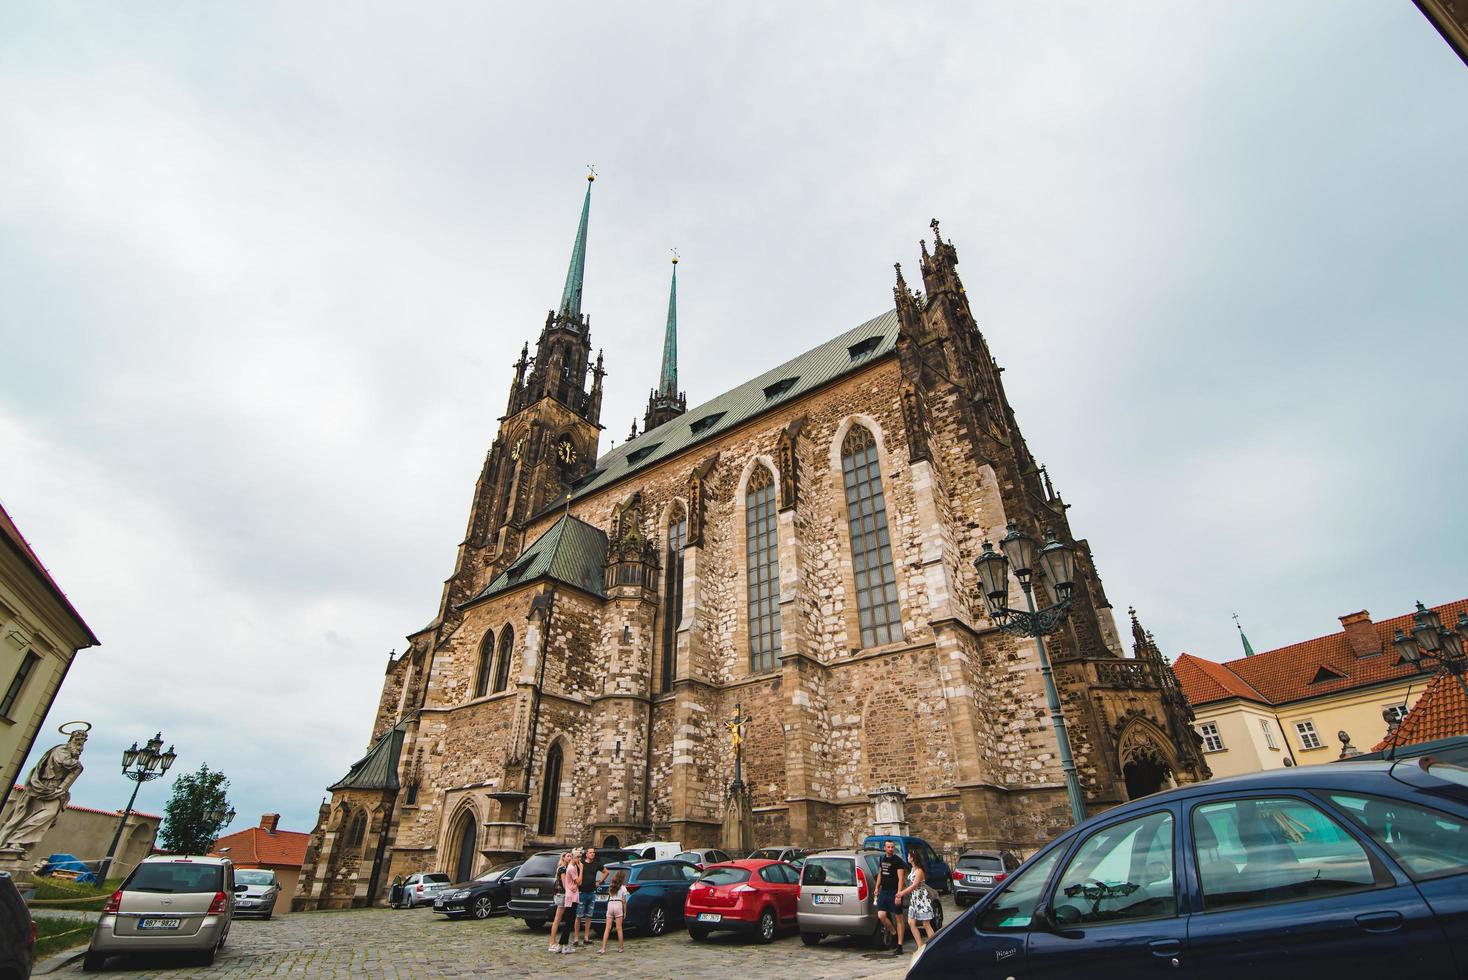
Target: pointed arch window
[
  {"x": 673, "y": 593},
  {"x": 486, "y": 657},
  {"x": 871, "y": 548},
  {"x": 763, "y": 553},
  {"x": 550, "y": 792},
  {"x": 357, "y": 829},
  {"x": 502, "y": 664}
]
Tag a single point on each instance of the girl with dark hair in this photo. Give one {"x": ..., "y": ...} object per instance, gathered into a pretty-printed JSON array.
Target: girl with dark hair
[{"x": 616, "y": 909}]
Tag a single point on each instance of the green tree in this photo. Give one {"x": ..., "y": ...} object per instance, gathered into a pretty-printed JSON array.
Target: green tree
[{"x": 188, "y": 827}]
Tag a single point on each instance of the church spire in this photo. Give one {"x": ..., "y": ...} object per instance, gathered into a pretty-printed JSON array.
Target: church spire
[
  {"x": 668, "y": 380},
  {"x": 1248, "y": 649},
  {"x": 570, "y": 308}
]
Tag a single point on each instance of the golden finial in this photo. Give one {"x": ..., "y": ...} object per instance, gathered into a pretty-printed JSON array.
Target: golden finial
[
  {"x": 590, "y": 173},
  {"x": 675, "y": 255}
]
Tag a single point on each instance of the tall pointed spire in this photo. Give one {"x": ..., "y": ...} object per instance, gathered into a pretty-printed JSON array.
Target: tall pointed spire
[
  {"x": 1248, "y": 650},
  {"x": 570, "y": 307},
  {"x": 668, "y": 380}
]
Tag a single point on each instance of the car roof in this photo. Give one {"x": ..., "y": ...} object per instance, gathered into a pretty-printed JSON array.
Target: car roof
[
  {"x": 746, "y": 864},
  {"x": 183, "y": 859}
]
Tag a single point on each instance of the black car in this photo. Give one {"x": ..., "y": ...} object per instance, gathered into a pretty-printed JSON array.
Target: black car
[
  {"x": 488, "y": 893},
  {"x": 533, "y": 892},
  {"x": 17, "y": 931}
]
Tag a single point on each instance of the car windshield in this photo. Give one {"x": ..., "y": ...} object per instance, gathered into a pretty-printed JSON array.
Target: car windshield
[
  {"x": 176, "y": 879},
  {"x": 828, "y": 871},
  {"x": 254, "y": 877},
  {"x": 691, "y": 856},
  {"x": 724, "y": 876},
  {"x": 540, "y": 865},
  {"x": 766, "y": 854},
  {"x": 981, "y": 862}
]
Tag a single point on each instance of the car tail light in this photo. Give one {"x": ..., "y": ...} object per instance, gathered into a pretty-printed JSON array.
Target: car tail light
[
  {"x": 631, "y": 887},
  {"x": 420, "y": 888},
  {"x": 958, "y": 876},
  {"x": 32, "y": 940},
  {"x": 113, "y": 904},
  {"x": 220, "y": 905},
  {"x": 743, "y": 889},
  {"x": 861, "y": 885},
  {"x": 1000, "y": 876}
]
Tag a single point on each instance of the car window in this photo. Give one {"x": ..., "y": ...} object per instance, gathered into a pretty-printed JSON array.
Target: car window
[
  {"x": 766, "y": 854},
  {"x": 1014, "y": 908},
  {"x": 691, "y": 856},
  {"x": 539, "y": 865},
  {"x": 724, "y": 876},
  {"x": 442, "y": 879},
  {"x": 1120, "y": 872},
  {"x": 251, "y": 876},
  {"x": 1263, "y": 851},
  {"x": 980, "y": 862},
  {"x": 771, "y": 873},
  {"x": 828, "y": 871},
  {"x": 719, "y": 856},
  {"x": 176, "y": 879},
  {"x": 1427, "y": 842},
  {"x": 688, "y": 871}
]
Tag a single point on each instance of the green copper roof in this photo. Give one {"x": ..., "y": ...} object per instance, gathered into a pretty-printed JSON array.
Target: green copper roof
[
  {"x": 836, "y": 357},
  {"x": 668, "y": 380},
  {"x": 378, "y": 769},
  {"x": 1248, "y": 650},
  {"x": 576, "y": 272},
  {"x": 572, "y": 552}
]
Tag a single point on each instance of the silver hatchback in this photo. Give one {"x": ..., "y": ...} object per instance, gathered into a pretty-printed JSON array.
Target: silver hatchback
[
  {"x": 838, "y": 896},
  {"x": 167, "y": 905}
]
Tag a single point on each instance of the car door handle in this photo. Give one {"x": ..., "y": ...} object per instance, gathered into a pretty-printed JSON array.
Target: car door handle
[
  {"x": 1380, "y": 921},
  {"x": 1165, "y": 947}
]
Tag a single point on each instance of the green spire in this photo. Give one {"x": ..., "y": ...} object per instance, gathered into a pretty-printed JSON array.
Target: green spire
[
  {"x": 668, "y": 380},
  {"x": 1248, "y": 650},
  {"x": 570, "y": 308}
]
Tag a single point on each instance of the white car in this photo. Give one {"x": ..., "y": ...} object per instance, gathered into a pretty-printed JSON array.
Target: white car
[
  {"x": 422, "y": 887},
  {"x": 255, "y": 892},
  {"x": 656, "y": 850}
]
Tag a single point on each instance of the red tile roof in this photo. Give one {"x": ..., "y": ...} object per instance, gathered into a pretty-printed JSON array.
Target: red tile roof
[
  {"x": 12, "y": 536},
  {"x": 1441, "y": 712},
  {"x": 19, "y": 788},
  {"x": 1290, "y": 673},
  {"x": 282, "y": 849}
]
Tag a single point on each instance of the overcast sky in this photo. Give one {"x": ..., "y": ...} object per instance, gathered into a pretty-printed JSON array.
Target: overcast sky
[{"x": 264, "y": 269}]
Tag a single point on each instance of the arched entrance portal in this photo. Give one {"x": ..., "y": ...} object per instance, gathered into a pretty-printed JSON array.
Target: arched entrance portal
[
  {"x": 468, "y": 838},
  {"x": 611, "y": 840},
  {"x": 1146, "y": 762}
]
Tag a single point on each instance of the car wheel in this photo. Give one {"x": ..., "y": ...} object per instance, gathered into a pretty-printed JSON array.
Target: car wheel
[
  {"x": 697, "y": 933},
  {"x": 535, "y": 925},
  {"x": 767, "y": 925},
  {"x": 937, "y": 917},
  {"x": 93, "y": 962},
  {"x": 657, "y": 921},
  {"x": 811, "y": 938},
  {"x": 206, "y": 958},
  {"x": 483, "y": 907}
]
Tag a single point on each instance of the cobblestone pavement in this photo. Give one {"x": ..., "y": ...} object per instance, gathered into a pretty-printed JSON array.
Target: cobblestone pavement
[{"x": 381, "y": 943}]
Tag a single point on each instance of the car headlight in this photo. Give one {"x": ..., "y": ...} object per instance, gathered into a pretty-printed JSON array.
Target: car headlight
[{"x": 460, "y": 894}]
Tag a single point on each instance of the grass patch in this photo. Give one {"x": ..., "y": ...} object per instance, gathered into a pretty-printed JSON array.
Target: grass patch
[
  {"x": 55, "y": 935},
  {"x": 58, "y": 893}
]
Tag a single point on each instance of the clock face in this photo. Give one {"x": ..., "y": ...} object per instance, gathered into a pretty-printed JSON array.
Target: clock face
[
  {"x": 565, "y": 451},
  {"x": 519, "y": 447}
]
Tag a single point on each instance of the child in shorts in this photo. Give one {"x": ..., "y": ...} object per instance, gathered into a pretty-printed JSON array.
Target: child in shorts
[{"x": 616, "y": 909}]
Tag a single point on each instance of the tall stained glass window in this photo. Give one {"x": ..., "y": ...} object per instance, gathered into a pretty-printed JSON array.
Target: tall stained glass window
[
  {"x": 502, "y": 664},
  {"x": 871, "y": 548},
  {"x": 673, "y": 594},
  {"x": 486, "y": 664},
  {"x": 761, "y": 525},
  {"x": 550, "y": 792}
]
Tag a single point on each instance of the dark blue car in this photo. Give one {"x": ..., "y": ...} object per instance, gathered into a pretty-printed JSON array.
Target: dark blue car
[
  {"x": 916, "y": 849},
  {"x": 1348, "y": 870},
  {"x": 657, "y": 891}
]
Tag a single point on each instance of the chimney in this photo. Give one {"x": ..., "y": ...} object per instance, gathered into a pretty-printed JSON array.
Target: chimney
[
  {"x": 269, "y": 821},
  {"x": 1361, "y": 635}
]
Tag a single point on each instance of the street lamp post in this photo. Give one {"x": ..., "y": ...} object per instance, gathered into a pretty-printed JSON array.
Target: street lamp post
[
  {"x": 141, "y": 765},
  {"x": 1057, "y": 564},
  {"x": 1431, "y": 641}
]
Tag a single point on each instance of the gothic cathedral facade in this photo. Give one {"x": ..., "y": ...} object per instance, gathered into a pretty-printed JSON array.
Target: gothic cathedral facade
[{"x": 800, "y": 546}]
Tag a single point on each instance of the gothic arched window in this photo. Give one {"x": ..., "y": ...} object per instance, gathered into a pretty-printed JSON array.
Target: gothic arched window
[
  {"x": 357, "y": 829},
  {"x": 550, "y": 792},
  {"x": 486, "y": 656},
  {"x": 673, "y": 592},
  {"x": 502, "y": 665},
  {"x": 871, "y": 548},
  {"x": 763, "y": 553}
]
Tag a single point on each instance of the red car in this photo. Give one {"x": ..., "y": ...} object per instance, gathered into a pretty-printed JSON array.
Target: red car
[{"x": 756, "y": 897}]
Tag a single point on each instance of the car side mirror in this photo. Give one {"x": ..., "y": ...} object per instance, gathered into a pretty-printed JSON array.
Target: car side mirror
[{"x": 241, "y": 888}]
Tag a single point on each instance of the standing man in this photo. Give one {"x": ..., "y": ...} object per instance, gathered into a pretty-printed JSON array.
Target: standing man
[
  {"x": 593, "y": 870},
  {"x": 891, "y": 875}
]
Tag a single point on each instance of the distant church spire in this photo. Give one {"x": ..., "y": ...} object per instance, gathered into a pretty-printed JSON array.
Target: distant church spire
[
  {"x": 570, "y": 307},
  {"x": 1248, "y": 650},
  {"x": 666, "y": 402}
]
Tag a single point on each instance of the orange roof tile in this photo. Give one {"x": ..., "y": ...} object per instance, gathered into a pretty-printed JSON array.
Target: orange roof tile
[
  {"x": 1441, "y": 712},
  {"x": 255, "y": 845},
  {"x": 1293, "y": 673}
]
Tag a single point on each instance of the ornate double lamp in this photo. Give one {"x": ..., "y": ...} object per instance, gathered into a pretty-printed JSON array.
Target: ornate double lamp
[{"x": 1432, "y": 642}]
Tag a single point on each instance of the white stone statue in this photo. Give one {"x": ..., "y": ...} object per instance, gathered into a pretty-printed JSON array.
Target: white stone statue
[{"x": 48, "y": 788}]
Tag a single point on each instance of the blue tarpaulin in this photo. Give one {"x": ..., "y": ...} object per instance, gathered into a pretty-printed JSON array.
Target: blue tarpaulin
[{"x": 70, "y": 862}]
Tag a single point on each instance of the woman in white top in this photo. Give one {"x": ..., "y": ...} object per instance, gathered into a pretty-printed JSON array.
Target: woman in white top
[
  {"x": 616, "y": 908},
  {"x": 919, "y": 902}
]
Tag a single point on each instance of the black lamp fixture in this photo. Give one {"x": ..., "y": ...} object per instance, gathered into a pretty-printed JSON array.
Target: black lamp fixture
[
  {"x": 141, "y": 765},
  {"x": 1430, "y": 642}
]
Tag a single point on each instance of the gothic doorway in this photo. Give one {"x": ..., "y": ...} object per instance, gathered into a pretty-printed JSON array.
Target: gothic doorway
[
  {"x": 1143, "y": 778},
  {"x": 468, "y": 839},
  {"x": 610, "y": 840},
  {"x": 1146, "y": 759}
]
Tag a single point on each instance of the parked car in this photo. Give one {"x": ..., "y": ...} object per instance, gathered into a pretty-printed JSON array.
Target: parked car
[
  {"x": 17, "y": 931},
  {"x": 168, "y": 904},
  {"x": 702, "y": 857},
  {"x": 1355, "y": 869},
  {"x": 655, "y": 850},
  {"x": 255, "y": 892},
  {"x": 485, "y": 895},
  {"x": 980, "y": 872},
  {"x": 838, "y": 897},
  {"x": 750, "y": 896},
  {"x": 790, "y": 855},
  {"x": 916, "y": 849},
  {"x": 533, "y": 892},
  {"x": 422, "y": 887},
  {"x": 656, "y": 894}
]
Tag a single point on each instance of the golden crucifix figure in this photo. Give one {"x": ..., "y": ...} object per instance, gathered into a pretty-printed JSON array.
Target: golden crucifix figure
[{"x": 736, "y": 735}]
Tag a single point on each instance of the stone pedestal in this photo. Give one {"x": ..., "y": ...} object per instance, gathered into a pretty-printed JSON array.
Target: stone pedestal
[
  {"x": 737, "y": 833},
  {"x": 889, "y": 811},
  {"x": 503, "y": 839},
  {"x": 16, "y": 862}
]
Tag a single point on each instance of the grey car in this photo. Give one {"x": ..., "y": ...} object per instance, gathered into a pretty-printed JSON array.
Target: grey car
[
  {"x": 980, "y": 872},
  {"x": 790, "y": 854},
  {"x": 838, "y": 896},
  {"x": 255, "y": 892},
  {"x": 422, "y": 887},
  {"x": 170, "y": 904}
]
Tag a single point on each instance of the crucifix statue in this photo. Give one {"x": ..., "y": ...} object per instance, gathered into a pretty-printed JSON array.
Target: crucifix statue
[{"x": 736, "y": 733}]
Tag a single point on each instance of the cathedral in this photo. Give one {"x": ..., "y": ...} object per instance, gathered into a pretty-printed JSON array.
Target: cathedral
[{"x": 801, "y": 548}]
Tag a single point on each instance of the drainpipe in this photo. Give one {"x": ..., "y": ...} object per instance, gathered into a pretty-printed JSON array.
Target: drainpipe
[
  {"x": 550, "y": 608},
  {"x": 1285, "y": 735}
]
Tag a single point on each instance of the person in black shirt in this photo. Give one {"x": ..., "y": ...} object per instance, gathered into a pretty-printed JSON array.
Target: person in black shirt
[
  {"x": 891, "y": 875},
  {"x": 593, "y": 870}
]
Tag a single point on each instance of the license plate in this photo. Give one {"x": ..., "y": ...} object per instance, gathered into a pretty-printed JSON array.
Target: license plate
[
  {"x": 828, "y": 899},
  {"x": 438, "y": 903},
  {"x": 158, "y": 924},
  {"x": 710, "y": 917},
  {"x": 530, "y": 892}
]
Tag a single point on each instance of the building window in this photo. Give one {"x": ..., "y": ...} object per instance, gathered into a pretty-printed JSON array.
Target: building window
[
  {"x": 12, "y": 694},
  {"x": 413, "y": 793},
  {"x": 550, "y": 792},
  {"x": 502, "y": 665},
  {"x": 1393, "y": 713},
  {"x": 761, "y": 524},
  {"x": 1268, "y": 730},
  {"x": 486, "y": 656},
  {"x": 1212, "y": 741},
  {"x": 357, "y": 829},
  {"x": 871, "y": 549},
  {"x": 1308, "y": 737},
  {"x": 673, "y": 594}
]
